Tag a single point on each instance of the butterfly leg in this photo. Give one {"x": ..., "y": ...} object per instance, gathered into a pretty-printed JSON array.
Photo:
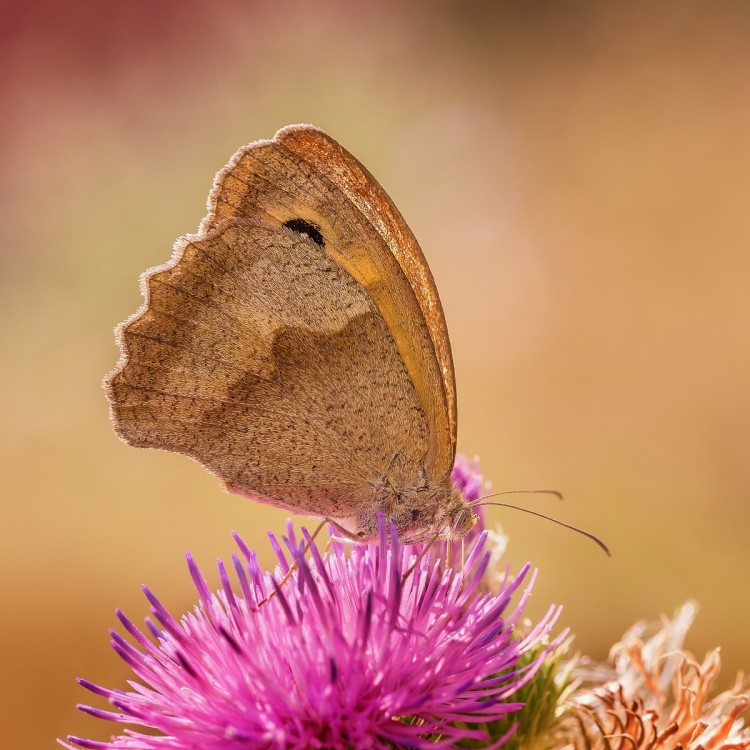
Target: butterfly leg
[
  {"x": 294, "y": 565},
  {"x": 382, "y": 486},
  {"x": 422, "y": 553},
  {"x": 349, "y": 535},
  {"x": 391, "y": 462},
  {"x": 450, "y": 552}
]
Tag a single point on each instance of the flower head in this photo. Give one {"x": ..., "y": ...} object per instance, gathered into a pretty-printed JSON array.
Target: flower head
[
  {"x": 467, "y": 477},
  {"x": 377, "y": 648},
  {"x": 655, "y": 695}
]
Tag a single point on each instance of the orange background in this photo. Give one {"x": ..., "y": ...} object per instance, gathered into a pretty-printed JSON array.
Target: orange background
[{"x": 578, "y": 175}]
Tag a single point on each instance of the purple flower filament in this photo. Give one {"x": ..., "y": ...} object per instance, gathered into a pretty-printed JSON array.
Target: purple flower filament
[{"x": 348, "y": 654}]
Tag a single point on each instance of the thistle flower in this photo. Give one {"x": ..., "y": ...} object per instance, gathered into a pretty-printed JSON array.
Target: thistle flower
[
  {"x": 350, "y": 653},
  {"x": 655, "y": 695}
]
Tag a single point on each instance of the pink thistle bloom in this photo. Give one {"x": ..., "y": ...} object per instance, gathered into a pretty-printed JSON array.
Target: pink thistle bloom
[
  {"x": 467, "y": 478},
  {"x": 350, "y": 653}
]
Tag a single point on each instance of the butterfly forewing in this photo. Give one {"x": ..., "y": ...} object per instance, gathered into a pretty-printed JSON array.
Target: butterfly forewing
[{"x": 365, "y": 192}]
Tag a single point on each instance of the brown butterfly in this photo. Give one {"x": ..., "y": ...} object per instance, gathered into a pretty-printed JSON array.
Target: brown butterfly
[{"x": 296, "y": 347}]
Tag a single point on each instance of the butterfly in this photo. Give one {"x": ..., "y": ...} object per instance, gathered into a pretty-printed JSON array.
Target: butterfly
[{"x": 297, "y": 348}]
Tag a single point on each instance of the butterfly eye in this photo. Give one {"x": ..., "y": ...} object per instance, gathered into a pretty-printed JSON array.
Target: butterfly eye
[
  {"x": 463, "y": 520},
  {"x": 307, "y": 228}
]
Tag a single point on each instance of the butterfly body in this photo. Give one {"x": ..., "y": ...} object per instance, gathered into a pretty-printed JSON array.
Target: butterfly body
[{"x": 295, "y": 353}]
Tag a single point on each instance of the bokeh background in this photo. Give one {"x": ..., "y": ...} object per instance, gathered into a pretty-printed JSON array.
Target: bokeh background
[{"x": 578, "y": 175}]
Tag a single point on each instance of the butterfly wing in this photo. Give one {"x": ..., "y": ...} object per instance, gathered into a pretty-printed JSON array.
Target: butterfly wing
[
  {"x": 259, "y": 356},
  {"x": 296, "y": 346},
  {"x": 305, "y": 174}
]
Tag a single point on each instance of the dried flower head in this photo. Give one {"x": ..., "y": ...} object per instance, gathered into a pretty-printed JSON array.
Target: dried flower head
[
  {"x": 350, "y": 653},
  {"x": 655, "y": 695}
]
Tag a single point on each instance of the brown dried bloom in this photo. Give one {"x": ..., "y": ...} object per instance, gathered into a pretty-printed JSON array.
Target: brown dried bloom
[{"x": 653, "y": 695}]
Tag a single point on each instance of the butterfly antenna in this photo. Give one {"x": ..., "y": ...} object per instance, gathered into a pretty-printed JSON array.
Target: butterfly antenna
[
  {"x": 481, "y": 500},
  {"x": 593, "y": 538}
]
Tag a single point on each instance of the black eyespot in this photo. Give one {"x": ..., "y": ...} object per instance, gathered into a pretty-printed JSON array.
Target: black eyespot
[{"x": 306, "y": 227}]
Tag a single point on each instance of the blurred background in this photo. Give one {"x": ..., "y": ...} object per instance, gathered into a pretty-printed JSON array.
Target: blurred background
[{"x": 578, "y": 175}]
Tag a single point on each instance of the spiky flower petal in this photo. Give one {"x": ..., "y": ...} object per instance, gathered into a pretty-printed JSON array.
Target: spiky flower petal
[{"x": 350, "y": 653}]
